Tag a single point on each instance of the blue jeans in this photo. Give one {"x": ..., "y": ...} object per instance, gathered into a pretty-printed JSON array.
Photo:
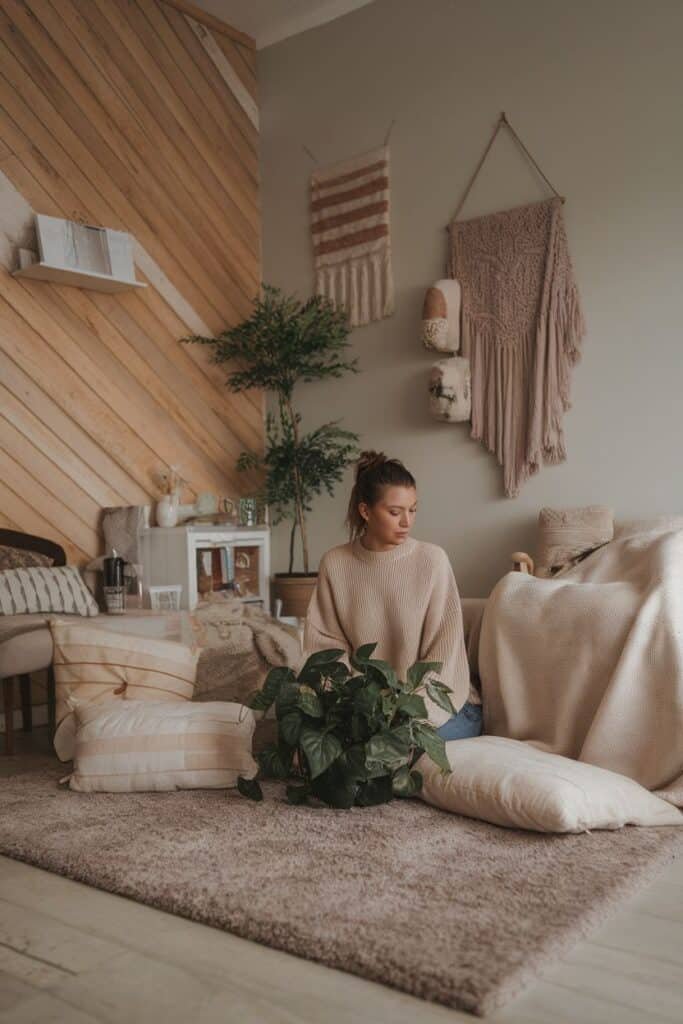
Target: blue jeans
[{"x": 467, "y": 723}]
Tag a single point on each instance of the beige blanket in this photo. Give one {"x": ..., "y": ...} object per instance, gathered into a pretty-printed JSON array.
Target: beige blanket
[{"x": 590, "y": 665}]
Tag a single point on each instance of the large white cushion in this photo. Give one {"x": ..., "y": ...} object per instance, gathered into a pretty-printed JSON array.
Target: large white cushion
[
  {"x": 131, "y": 745},
  {"x": 94, "y": 664},
  {"x": 511, "y": 783}
]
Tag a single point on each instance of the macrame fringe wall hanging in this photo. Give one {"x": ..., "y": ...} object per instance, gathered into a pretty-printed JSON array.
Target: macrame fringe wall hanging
[
  {"x": 521, "y": 327},
  {"x": 351, "y": 235}
]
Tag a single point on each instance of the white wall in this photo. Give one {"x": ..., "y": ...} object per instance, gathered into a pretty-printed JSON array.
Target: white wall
[{"x": 594, "y": 89}]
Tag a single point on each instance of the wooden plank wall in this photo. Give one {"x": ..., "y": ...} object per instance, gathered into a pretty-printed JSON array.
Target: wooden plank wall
[{"x": 138, "y": 115}]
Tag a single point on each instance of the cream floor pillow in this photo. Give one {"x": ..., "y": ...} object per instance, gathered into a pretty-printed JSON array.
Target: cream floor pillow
[
  {"x": 511, "y": 783},
  {"x": 94, "y": 665},
  {"x": 133, "y": 745}
]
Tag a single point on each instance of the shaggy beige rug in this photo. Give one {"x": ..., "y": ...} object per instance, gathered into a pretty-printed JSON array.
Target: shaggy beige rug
[{"x": 445, "y": 908}]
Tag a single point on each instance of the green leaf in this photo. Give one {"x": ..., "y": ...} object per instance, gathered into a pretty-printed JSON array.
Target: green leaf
[
  {"x": 412, "y": 704},
  {"x": 389, "y": 705},
  {"x": 365, "y": 701},
  {"x": 276, "y": 678},
  {"x": 298, "y": 794},
  {"x": 287, "y": 699},
  {"x": 320, "y": 748},
  {"x": 383, "y": 672},
  {"x": 440, "y": 697},
  {"x": 404, "y": 733},
  {"x": 290, "y": 727},
  {"x": 336, "y": 671},
  {"x": 418, "y": 671},
  {"x": 258, "y": 701},
  {"x": 249, "y": 788},
  {"x": 275, "y": 761},
  {"x": 433, "y": 745},
  {"x": 388, "y": 749},
  {"x": 406, "y": 783},
  {"x": 355, "y": 683},
  {"x": 322, "y": 658},
  {"x": 374, "y": 791},
  {"x": 312, "y": 676},
  {"x": 375, "y": 769},
  {"x": 361, "y": 656},
  {"x": 309, "y": 702}
]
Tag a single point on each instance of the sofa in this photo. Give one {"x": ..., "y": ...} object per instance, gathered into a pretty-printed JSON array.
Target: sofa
[{"x": 26, "y": 642}]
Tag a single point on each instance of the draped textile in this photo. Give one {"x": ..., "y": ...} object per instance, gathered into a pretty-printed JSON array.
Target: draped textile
[
  {"x": 590, "y": 664},
  {"x": 522, "y": 327}
]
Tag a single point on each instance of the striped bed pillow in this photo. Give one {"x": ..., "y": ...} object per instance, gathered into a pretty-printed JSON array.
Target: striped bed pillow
[
  {"x": 94, "y": 664},
  {"x": 57, "y": 589},
  {"x": 132, "y": 746}
]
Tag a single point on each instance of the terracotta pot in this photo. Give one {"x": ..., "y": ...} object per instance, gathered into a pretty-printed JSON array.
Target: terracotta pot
[{"x": 295, "y": 590}]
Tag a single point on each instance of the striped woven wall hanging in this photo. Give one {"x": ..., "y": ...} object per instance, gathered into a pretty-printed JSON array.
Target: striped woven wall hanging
[{"x": 351, "y": 237}]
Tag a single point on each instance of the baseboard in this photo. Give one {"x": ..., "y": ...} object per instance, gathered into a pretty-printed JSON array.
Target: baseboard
[{"x": 38, "y": 717}]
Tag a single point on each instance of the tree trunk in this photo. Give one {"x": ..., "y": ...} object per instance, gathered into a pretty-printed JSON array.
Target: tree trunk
[
  {"x": 292, "y": 535},
  {"x": 298, "y": 496}
]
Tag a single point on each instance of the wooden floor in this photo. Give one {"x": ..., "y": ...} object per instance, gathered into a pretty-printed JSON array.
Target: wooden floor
[{"x": 70, "y": 954}]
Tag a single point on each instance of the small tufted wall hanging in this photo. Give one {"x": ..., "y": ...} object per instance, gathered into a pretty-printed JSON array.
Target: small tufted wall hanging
[
  {"x": 351, "y": 241},
  {"x": 450, "y": 391},
  {"x": 441, "y": 316}
]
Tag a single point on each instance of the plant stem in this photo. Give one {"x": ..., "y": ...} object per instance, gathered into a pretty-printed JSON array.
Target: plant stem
[
  {"x": 292, "y": 534},
  {"x": 298, "y": 497}
]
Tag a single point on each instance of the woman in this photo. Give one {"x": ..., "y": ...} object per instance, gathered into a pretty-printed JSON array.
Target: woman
[{"x": 387, "y": 587}]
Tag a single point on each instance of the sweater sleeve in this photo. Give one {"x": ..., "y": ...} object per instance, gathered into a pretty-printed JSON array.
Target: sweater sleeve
[
  {"x": 322, "y": 629},
  {"x": 443, "y": 639}
]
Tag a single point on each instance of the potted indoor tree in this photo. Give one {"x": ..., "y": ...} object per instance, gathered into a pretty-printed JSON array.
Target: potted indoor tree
[{"x": 284, "y": 342}]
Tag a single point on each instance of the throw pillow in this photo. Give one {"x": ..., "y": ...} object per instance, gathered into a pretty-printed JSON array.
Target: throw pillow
[
  {"x": 94, "y": 664},
  {"x": 57, "y": 589},
  {"x": 19, "y": 558},
  {"x": 137, "y": 745},
  {"x": 514, "y": 784},
  {"x": 566, "y": 535}
]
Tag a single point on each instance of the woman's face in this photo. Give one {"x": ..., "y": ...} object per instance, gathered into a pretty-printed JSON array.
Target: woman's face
[{"x": 390, "y": 520}]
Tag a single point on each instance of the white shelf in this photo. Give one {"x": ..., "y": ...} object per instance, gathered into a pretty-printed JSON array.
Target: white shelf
[
  {"x": 76, "y": 278},
  {"x": 169, "y": 556}
]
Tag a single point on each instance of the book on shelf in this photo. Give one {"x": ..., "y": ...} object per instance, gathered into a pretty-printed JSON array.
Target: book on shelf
[{"x": 217, "y": 564}]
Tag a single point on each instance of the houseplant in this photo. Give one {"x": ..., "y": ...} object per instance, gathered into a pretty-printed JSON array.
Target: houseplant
[
  {"x": 351, "y": 739},
  {"x": 285, "y": 342}
]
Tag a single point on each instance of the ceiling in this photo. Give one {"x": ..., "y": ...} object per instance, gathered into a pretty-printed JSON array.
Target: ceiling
[{"x": 270, "y": 21}]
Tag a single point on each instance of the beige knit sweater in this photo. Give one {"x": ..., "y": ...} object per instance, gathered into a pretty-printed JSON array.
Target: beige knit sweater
[{"x": 406, "y": 599}]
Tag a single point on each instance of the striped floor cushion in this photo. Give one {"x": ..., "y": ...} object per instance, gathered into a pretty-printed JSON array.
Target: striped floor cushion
[
  {"x": 131, "y": 746},
  {"x": 94, "y": 665},
  {"x": 58, "y": 589}
]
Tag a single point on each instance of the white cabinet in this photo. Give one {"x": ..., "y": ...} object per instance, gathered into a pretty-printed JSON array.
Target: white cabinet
[{"x": 204, "y": 559}]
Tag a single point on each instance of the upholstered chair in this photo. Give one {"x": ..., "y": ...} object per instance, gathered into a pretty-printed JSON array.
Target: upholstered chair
[{"x": 26, "y": 645}]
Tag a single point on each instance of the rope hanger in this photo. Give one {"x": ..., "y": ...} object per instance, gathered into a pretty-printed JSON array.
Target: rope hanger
[
  {"x": 502, "y": 122},
  {"x": 386, "y": 143}
]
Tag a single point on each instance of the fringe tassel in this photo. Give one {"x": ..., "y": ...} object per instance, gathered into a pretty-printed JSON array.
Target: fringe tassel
[{"x": 363, "y": 286}]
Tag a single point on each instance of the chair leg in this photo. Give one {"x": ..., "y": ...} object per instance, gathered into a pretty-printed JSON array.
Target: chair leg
[
  {"x": 51, "y": 703},
  {"x": 26, "y": 714},
  {"x": 8, "y": 702}
]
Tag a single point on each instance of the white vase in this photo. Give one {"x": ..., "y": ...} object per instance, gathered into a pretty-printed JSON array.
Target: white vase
[{"x": 167, "y": 510}]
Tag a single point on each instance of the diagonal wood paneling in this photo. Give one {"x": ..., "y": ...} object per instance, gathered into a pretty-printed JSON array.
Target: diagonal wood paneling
[{"x": 139, "y": 115}]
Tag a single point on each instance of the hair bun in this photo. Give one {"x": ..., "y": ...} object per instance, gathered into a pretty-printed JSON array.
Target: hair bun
[{"x": 369, "y": 458}]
